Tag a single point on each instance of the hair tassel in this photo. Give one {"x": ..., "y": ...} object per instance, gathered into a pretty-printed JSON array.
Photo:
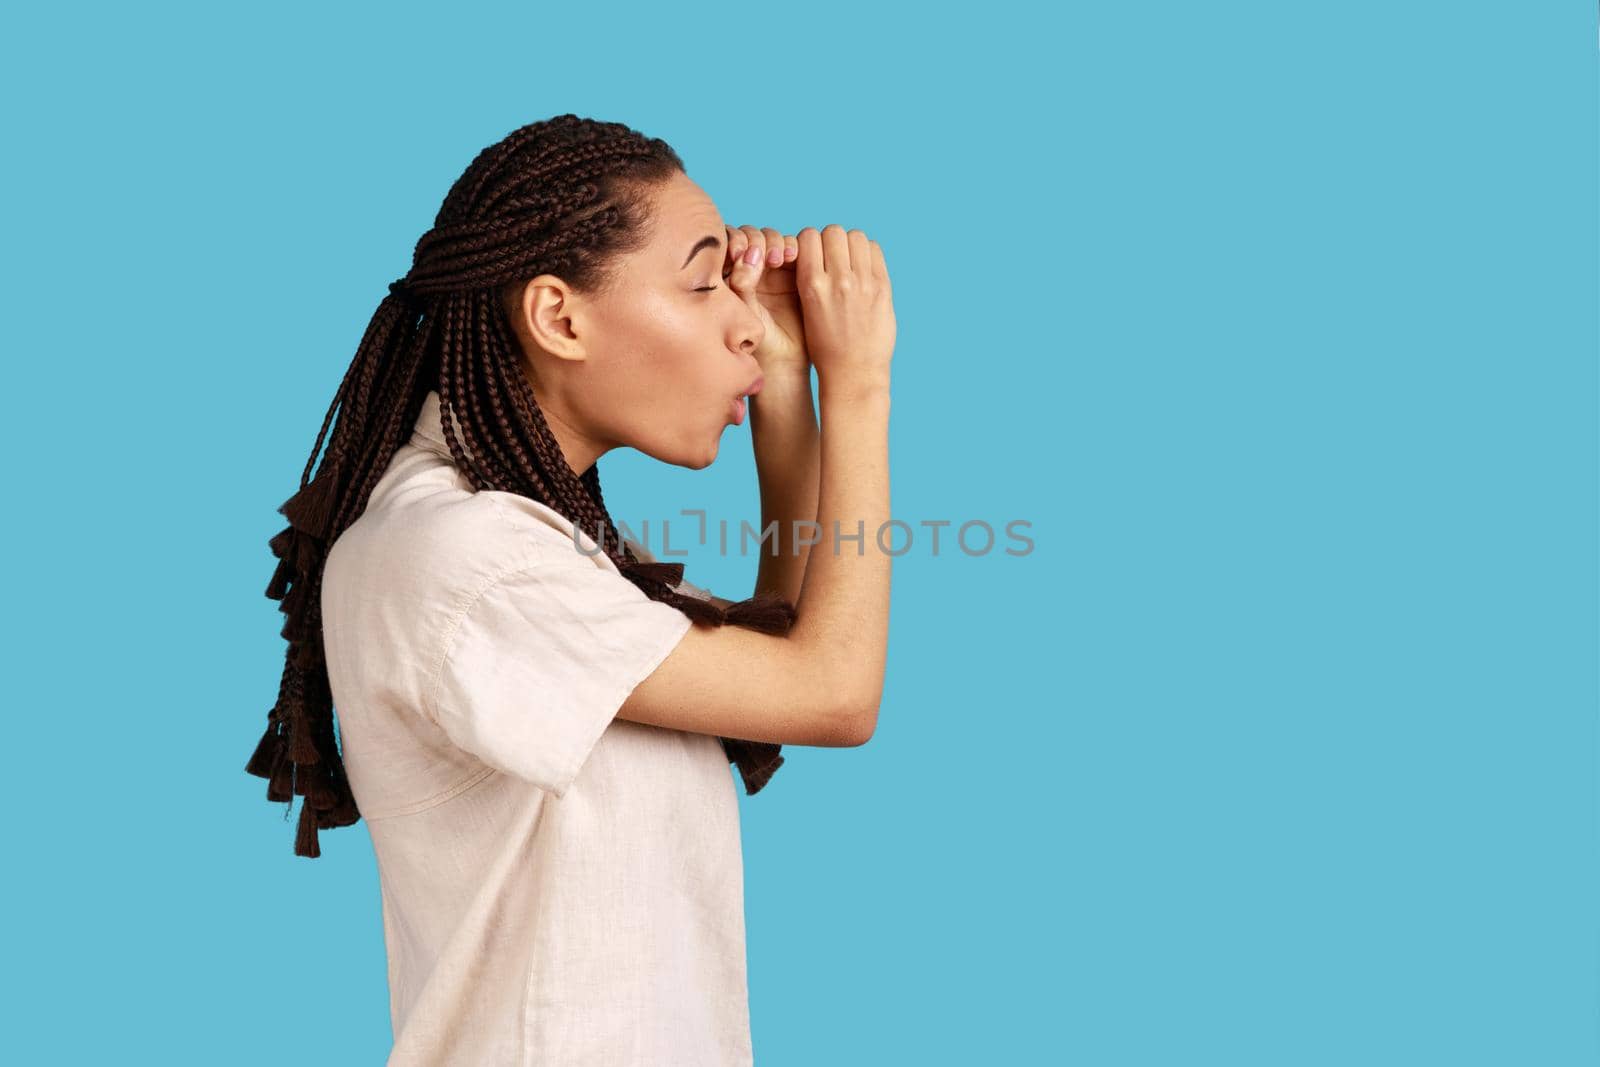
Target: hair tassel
[
  {"x": 669, "y": 574},
  {"x": 268, "y": 750},
  {"x": 308, "y": 552},
  {"x": 345, "y": 811},
  {"x": 311, "y": 509},
  {"x": 757, "y": 761},
  {"x": 697, "y": 609},
  {"x": 296, "y": 627},
  {"x": 293, "y": 598},
  {"x": 305, "y": 836},
  {"x": 280, "y": 785},
  {"x": 278, "y": 587},
  {"x": 766, "y": 612},
  {"x": 314, "y": 785},
  {"x": 302, "y": 749}
]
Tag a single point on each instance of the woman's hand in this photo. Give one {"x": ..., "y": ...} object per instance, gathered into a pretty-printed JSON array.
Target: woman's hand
[
  {"x": 848, "y": 305},
  {"x": 768, "y": 287}
]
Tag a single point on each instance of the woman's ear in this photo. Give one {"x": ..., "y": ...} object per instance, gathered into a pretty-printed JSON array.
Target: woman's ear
[{"x": 544, "y": 311}]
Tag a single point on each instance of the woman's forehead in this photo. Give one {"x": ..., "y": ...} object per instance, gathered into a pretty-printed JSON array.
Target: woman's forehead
[
  {"x": 684, "y": 232},
  {"x": 684, "y": 211}
]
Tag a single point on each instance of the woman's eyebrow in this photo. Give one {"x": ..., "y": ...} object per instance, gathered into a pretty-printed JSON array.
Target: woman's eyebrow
[{"x": 704, "y": 242}]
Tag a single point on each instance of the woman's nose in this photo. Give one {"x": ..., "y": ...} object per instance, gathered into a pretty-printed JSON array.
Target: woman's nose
[{"x": 754, "y": 334}]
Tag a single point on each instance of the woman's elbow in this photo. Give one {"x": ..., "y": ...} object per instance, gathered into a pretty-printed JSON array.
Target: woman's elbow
[{"x": 857, "y": 723}]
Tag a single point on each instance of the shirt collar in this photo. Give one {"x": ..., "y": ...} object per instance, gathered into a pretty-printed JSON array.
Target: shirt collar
[
  {"x": 430, "y": 435},
  {"x": 430, "y": 427}
]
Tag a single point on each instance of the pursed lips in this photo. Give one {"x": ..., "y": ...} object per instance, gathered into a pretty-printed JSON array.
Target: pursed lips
[{"x": 740, "y": 405}]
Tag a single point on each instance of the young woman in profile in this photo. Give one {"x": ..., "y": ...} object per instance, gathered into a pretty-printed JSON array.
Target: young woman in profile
[{"x": 530, "y": 720}]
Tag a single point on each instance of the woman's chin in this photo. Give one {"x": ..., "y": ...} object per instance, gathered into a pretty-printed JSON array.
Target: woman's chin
[
  {"x": 699, "y": 461},
  {"x": 686, "y": 455},
  {"x": 709, "y": 458}
]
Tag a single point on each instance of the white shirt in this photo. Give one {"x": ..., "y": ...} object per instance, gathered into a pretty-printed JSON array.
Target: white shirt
[{"x": 559, "y": 886}]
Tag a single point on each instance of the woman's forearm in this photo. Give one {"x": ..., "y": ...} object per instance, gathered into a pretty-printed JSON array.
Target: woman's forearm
[
  {"x": 787, "y": 444},
  {"x": 842, "y": 618}
]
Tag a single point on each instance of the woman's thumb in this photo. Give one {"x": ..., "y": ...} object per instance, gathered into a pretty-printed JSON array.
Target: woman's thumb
[{"x": 747, "y": 272}]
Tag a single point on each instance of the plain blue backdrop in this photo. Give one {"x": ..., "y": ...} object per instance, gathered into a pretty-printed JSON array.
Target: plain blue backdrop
[{"x": 1277, "y": 321}]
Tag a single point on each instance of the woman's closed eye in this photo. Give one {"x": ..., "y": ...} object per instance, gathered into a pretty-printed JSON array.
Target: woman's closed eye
[{"x": 707, "y": 288}]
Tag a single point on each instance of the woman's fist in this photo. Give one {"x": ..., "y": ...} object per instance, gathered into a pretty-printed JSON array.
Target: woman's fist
[{"x": 847, "y": 305}]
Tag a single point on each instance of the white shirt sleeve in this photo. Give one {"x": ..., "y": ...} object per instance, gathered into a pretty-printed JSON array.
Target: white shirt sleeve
[{"x": 535, "y": 667}]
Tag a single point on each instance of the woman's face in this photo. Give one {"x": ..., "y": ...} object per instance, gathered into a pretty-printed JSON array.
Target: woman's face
[{"x": 655, "y": 362}]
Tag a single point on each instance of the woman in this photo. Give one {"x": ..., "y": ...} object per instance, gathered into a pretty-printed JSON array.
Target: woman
[{"x": 533, "y": 727}]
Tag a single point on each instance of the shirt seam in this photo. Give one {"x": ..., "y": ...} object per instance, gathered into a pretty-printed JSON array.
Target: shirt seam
[
  {"x": 524, "y": 1039},
  {"x": 430, "y": 704},
  {"x": 517, "y": 528},
  {"x": 419, "y": 806}
]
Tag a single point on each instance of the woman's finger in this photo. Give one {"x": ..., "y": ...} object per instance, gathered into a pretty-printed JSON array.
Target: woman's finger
[
  {"x": 808, "y": 264},
  {"x": 774, "y": 244},
  {"x": 736, "y": 241},
  {"x": 860, "y": 254},
  {"x": 747, "y": 268},
  {"x": 835, "y": 250}
]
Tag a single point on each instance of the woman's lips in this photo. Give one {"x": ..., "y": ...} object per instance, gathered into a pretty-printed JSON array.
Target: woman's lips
[{"x": 740, "y": 406}]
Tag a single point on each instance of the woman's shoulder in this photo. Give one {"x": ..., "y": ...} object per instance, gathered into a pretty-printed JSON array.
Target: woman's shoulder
[
  {"x": 436, "y": 546},
  {"x": 530, "y": 521}
]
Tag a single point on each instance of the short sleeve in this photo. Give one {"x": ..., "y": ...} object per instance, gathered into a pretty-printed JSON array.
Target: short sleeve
[{"x": 537, "y": 665}]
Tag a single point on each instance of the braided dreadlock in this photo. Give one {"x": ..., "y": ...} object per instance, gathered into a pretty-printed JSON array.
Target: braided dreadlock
[{"x": 566, "y": 196}]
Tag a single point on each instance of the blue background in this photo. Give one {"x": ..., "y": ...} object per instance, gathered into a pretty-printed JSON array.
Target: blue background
[{"x": 1277, "y": 321}]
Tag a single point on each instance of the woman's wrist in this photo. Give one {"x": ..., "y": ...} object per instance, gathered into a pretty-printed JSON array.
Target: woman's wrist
[
  {"x": 869, "y": 387},
  {"x": 783, "y": 424},
  {"x": 784, "y": 394},
  {"x": 785, "y": 376}
]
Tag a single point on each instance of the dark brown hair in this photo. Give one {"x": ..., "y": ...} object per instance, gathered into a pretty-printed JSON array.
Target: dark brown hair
[{"x": 564, "y": 196}]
